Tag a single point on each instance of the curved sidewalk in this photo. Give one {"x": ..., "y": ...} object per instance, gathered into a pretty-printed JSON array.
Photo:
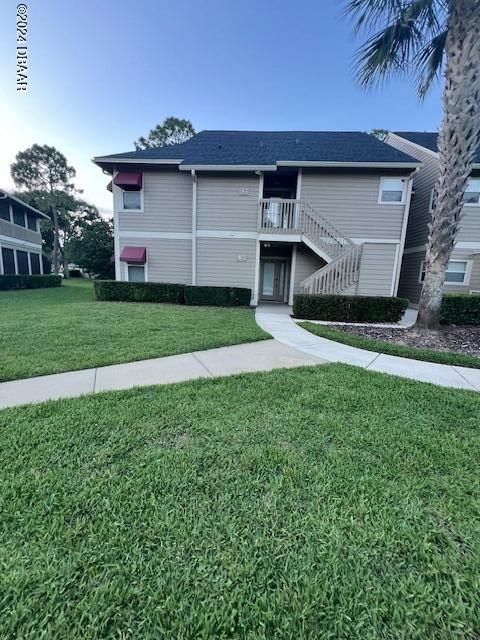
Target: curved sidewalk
[
  {"x": 277, "y": 322},
  {"x": 264, "y": 355}
]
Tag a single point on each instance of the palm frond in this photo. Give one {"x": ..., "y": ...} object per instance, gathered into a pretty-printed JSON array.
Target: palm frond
[
  {"x": 388, "y": 51},
  {"x": 430, "y": 62},
  {"x": 372, "y": 12},
  {"x": 408, "y": 36}
]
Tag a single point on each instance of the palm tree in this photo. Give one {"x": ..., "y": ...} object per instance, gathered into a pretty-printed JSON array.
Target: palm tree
[{"x": 421, "y": 38}]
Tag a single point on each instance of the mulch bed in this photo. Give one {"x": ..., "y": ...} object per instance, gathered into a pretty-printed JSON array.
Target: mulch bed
[{"x": 459, "y": 339}]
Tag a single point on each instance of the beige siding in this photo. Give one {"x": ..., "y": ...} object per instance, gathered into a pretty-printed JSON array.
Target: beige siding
[
  {"x": 350, "y": 202},
  {"x": 470, "y": 225},
  {"x": 376, "y": 269},
  {"x": 167, "y": 204},
  {"x": 306, "y": 263},
  {"x": 424, "y": 182},
  {"x": 411, "y": 288},
  {"x": 19, "y": 233},
  {"x": 167, "y": 260},
  {"x": 218, "y": 262},
  {"x": 227, "y": 202}
]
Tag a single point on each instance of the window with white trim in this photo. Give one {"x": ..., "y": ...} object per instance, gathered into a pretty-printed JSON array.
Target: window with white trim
[
  {"x": 136, "y": 272},
  {"x": 472, "y": 192},
  {"x": 132, "y": 200},
  {"x": 392, "y": 191},
  {"x": 433, "y": 200},
  {"x": 458, "y": 272}
]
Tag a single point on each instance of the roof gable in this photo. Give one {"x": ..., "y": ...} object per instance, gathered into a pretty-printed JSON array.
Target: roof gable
[{"x": 426, "y": 139}]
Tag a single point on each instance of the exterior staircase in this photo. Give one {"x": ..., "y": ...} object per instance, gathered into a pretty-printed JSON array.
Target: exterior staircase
[{"x": 299, "y": 217}]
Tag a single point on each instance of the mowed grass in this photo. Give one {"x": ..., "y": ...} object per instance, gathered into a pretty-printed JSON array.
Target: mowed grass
[
  {"x": 391, "y": 348},
  {"x": 325, "y": 502},
  {"x": 52, "y": 330}
]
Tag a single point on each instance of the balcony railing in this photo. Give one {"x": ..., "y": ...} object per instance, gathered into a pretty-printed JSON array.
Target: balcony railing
[
  {"x": 278, "y": 215},
  {"x": 283, "y": 216}
]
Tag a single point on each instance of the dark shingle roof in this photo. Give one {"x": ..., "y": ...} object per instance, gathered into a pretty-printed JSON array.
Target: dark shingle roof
[
  {"x": 427, "y": 139},
  {"x": 260, "y": 148}
]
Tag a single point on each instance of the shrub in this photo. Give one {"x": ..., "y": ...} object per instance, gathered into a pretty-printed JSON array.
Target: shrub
[
  {"x": 139, "y": 291},
  {"x": 29, "y": 282},
  {"x": 174, "y": 293},
  {"x": 460, "y": 309},
  {"x": 340, "y": 308},
  {"x": 218, "y": 296}
]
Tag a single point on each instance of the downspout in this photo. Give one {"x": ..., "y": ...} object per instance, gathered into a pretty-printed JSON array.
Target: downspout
[
  {"x": 403, "y": 235},
  {"x": 194, "y": 227}
]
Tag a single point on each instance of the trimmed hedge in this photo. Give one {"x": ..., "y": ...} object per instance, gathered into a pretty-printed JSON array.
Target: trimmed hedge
[
  {"x": 114, "y": 291},
  {"x": 460, "y": 309},
  {"x": 29, "y": 282},
  {"x": 340, "y": 308},
  {"x": 218, "y": 296}
]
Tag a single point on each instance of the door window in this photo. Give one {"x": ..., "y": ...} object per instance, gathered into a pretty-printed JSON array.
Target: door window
[{"x": 268, "y": 278}]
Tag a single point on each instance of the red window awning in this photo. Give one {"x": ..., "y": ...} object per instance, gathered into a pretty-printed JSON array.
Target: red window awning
[
  {"x": 134, "y": 254},
  {"x": 128, "y": 181}
]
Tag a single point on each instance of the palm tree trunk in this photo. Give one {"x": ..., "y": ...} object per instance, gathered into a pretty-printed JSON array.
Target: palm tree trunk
[{"x": 458, "y": 141}]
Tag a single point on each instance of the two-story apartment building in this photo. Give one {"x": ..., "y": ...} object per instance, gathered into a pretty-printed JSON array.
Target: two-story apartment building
[
  {"x": 20, "y": 239},
  {"x": 463, "y": 272},
  {"x": 277, "y": 212}
]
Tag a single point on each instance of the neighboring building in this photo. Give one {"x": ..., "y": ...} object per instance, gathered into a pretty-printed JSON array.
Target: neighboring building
[
  {"x": 277, "y": 212},
  {"x": 463, "y": 272},
  {"x": 20, "y": 239}
]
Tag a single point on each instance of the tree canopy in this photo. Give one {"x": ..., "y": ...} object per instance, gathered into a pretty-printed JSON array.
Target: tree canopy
[
  {"x": 92, "y": 249},
  {"x": 42, "y": 168},
  {"x": 172, "y": 131}
]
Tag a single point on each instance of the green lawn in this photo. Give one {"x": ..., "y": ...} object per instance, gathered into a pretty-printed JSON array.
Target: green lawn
[
  {"x": 318, "y": 503},
  {"x": 52, "y": 330},
  {"x": 404, "y": 351}
]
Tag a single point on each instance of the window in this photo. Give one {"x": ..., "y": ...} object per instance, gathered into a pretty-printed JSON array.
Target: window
[
  {"x": 8, "y": 262},
  {"x": 433, "y": 200},
  {"x": 132, "y": 200},
  {"x": 31, "y": 222},
  {"x": 458, "y": 272},
  {"x": 35, "y": 263},
  {"x": 22, "y": 263},
  {"x": 18, "y": 216},
  {"x": 392, "y": 191},
  {"x": 472, "y": 192},
  {"x": 4, "y": 209},
  {"x": 136, "y": 273}
]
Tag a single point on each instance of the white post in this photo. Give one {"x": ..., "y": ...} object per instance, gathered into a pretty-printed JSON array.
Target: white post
[
  {"x": 116, "y": 227},
  {"x": 292, "y": 274}
]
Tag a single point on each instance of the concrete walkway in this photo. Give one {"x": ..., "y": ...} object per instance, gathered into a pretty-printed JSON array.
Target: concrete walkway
[
  {"x": 255, "y": 356},
  {"x": 277, "y": 321},
  {"x": 292, "y": 347}
]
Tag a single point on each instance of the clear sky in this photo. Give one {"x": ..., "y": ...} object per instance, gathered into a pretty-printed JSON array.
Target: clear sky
[{"x": 103, "y": 72}]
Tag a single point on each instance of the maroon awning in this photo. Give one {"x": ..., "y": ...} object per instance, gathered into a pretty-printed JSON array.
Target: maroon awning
[
  {"x": 134, "y": 254},
  {"x": 128, "y": 181}
]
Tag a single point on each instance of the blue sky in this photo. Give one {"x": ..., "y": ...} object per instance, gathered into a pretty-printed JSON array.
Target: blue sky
[{"x": 102, "y": 73}]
